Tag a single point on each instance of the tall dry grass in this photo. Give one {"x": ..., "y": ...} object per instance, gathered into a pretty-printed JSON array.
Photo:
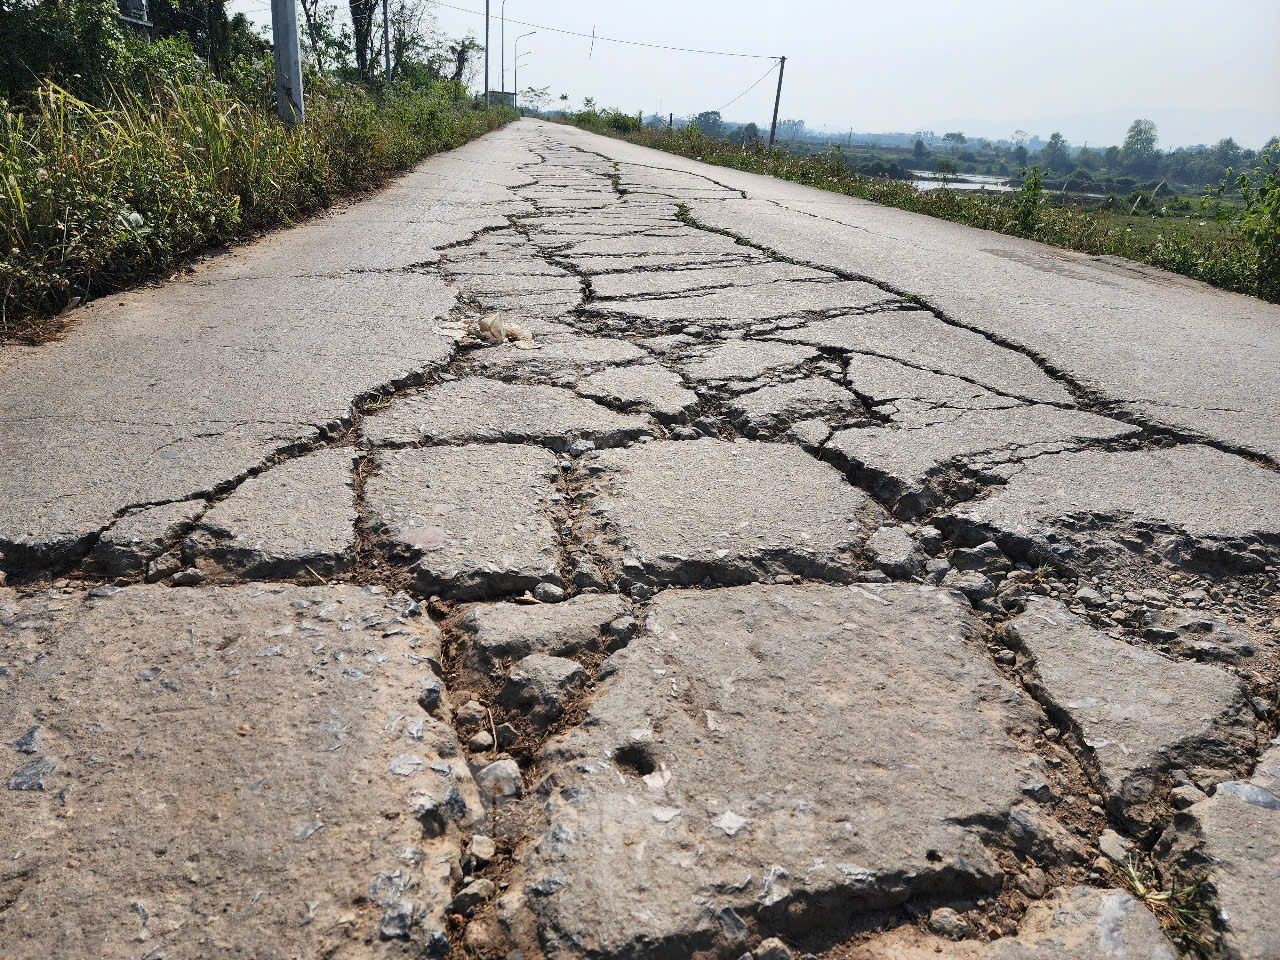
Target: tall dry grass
[{"x": 93, "y": 197}]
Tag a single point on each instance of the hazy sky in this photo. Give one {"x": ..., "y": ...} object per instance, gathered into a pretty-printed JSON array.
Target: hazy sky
[{"x": 1200, "y": 70}]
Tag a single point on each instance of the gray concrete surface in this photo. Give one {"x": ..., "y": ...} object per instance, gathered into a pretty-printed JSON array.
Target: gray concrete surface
[{"x": 705, "y": 618}]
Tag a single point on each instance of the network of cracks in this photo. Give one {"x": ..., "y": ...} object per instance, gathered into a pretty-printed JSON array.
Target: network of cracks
[{"x": 748, "y": 608}]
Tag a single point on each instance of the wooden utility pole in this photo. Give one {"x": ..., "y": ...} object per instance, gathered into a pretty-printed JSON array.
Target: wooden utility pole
[
  {"x": 777, "y": 98},
  {"x": 284, "y": 41},
  {"x": 386, "y": 42}
]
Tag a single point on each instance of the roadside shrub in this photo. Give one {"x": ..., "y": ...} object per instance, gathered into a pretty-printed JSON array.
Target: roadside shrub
[{"x": 92, "y": 197}]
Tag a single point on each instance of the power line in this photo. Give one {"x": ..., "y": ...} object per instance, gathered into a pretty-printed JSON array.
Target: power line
[
  {"x": 772, "y": 67},
  {"x": 596, "y": 36}
]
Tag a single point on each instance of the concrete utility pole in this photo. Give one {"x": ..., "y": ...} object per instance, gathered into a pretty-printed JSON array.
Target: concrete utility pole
[
  {"x": 284, "y": 41},
  {"x": 486, "y": 53},
  {"x": 777, "y": 98},
  {"x": 502, "y": 39},
  {"x": 386, "y": 41}
]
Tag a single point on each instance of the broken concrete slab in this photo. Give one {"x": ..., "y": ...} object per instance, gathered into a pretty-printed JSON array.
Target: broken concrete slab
[
  {"x": 659, "y": 282},
  {"x": 296, "y": 520},
  {"x": 1233, "y": 837},
  {"x": 479, "y": 410},
  {"x": 557, "y": 359},
  {"x": 770, "y": 411},
  {"x": 1137, "y": 713},
  {"x": 920, "y": 339},
  {"x": 157, "y": 394},
  {"x": 902, "y": 464},
  {"x": 1081, "y": 923},
  {"x": 474, "y": 519},
  {"x": 1196, "y": 505},
  {"x": 706, "y": 796},
  {"x": 125, "y": 548},
  {"x": 493, "y": 633},
  {"x": 753, "y": 303},
  {"x": 746, "y": 360},
  {"x": 234, "y": 767},
  {"x": 731, "y": 512},
  {"x": 647, "y": 388},
  {"x": 881, "y": 382}
]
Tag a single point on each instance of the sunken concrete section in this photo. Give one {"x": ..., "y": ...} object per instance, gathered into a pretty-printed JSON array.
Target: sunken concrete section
[
  {"x": 681, "y": 512},
  {"x": 477, "y": 410},
  {"x": 472, "y": 520},
  {"x": 708, "y": 797},
  {"x": 295, "y": 521},
  {"x": 1205, "y": 507},
  {"x": 1138, "y": 714},
  {"x": 216, "y": 770}
]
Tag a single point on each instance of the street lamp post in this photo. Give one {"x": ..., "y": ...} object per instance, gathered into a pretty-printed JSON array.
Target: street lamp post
[
  {"x": 517, "y": 76},
  {"x": 516, "y": 79}
]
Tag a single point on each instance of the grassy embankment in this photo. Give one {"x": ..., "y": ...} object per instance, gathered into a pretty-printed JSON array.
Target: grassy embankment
[
  {"x": 94, "y": 196},
  {"x": 1229, "y": 247}
]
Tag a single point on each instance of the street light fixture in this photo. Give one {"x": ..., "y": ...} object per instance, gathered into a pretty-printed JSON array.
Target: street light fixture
[
  {"x": 516, "y": 79},
  {"x": 527, "y": 53}
]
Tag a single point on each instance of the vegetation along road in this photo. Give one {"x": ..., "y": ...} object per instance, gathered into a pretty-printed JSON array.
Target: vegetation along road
[{"x": 577, "y": 550}]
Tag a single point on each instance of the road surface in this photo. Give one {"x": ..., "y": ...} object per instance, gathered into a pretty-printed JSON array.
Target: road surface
[{"x": 579, "y": 551}]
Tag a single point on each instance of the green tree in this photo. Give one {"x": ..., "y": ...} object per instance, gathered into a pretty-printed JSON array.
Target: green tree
[
  {"x": 920, "y": 152},
  {"x": 710, "y": 123},
  {"x": 1139, "y": 148},
  {"x": 1111, "y": 159},
  {"x": 1020, "y": 154},
  {"x": 956, "y": 139},
  {"x": 1055, "y": 155}
]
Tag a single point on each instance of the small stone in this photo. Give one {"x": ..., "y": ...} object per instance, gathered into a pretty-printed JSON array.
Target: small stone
[
  {"x": 471, "y": 714},
  {"x": 985, "y": 558},
  {"x": 936, "y": 569},
  {"x": 947, "y": 923},
  {"x": 894, "y": 552},
  {"x": 1089, "y": 597},
  {"x": 480, "y": 852},
  {"x": 481, "y": 742},
  {"x": 474, "y": 894},
  {"x": 190, "y": 577},
  {"x": 507, "y": 735},
  {"x": 397, "y": 920},
  {"x": 971, "y": 583},
  {"x": 929, "y": 538},
  {"x": 431, "y": 695},
  {"x": 30, "y": 776},
  {"x": 1185, "y": 795},
  {"x": 163, "y": 566},
  {"x": 540, "y": 685},
  {"x": 548, "y": 593},
  {"x": 1113, "y": 846},
  {"x": 500, "y": 780},
  {"x": 27, "y": 742},
  {"x": 772, "y": 949},
  {"x": 1034, "y": 883},
  {"x": 580, "y": 447}
]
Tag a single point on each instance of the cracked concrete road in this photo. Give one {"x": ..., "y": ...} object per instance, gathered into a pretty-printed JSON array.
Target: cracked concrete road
[{"x": 806, "y": 578}]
